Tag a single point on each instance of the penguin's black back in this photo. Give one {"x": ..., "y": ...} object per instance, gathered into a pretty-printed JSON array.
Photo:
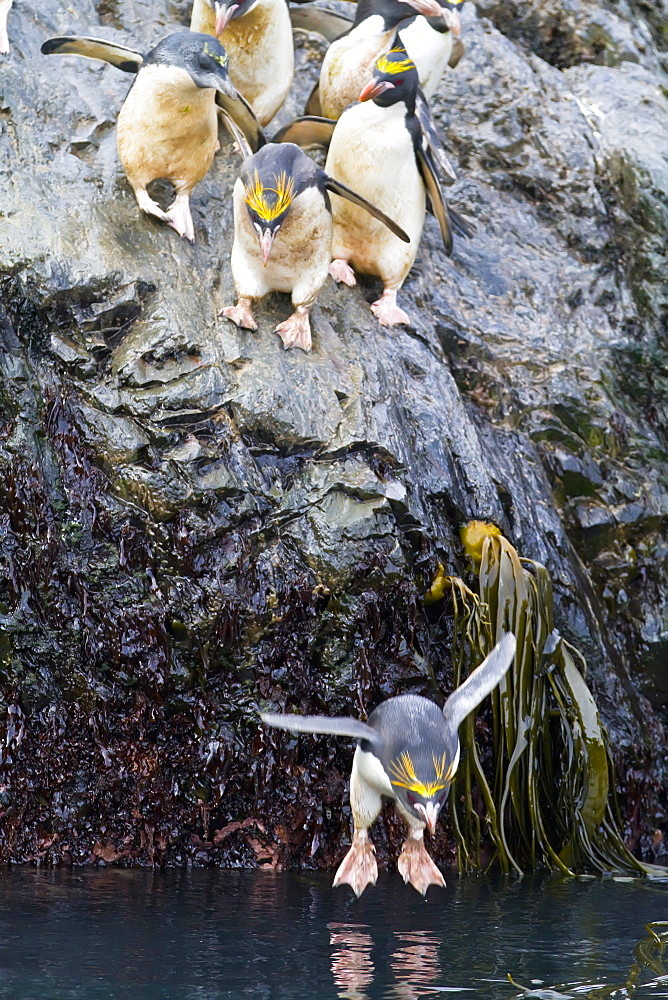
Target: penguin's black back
[{"x": 413, "y": 725}]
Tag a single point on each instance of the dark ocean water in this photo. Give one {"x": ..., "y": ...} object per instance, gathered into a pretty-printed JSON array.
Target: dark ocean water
[{"x": 209, "y": 935}]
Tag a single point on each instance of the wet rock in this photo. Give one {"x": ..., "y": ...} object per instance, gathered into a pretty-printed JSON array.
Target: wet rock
[{"x": 196, "y": 523}]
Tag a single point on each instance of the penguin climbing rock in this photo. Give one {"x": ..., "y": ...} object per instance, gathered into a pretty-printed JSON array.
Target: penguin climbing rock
[
  {"x": 348, "y": 63},
  {"x": 5, "y": 7},
  {"x": 283, "y": 235},
  {"x": 257, "y": 35},
  {"x": 409, "y": 752},
  {"x": 388, "y": 148},
  {"x": 168, "y": 125}
]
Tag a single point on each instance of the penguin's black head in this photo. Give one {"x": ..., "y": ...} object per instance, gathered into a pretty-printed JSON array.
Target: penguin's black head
[
  {"x": 201, "y": 56},
  {"x": 272, "y": 179},
  {"x": 395, "y": 11},
  {"x": 419, "y": 751},
  {"x": 395, "y": 79},
  {"x": 229, "y": 10}
]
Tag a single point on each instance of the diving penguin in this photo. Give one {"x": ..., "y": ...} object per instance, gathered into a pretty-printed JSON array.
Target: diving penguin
[
  {"x": 5, "y": 7},
  {"x": 257, "y": 35},
  {"x": 168, "y": 124},
  {"x": 349, "y": 61},
  {"x": 283, "y": 235},
  {"x": 388, "y": 147},
  {"x": 408, "y": 752}
]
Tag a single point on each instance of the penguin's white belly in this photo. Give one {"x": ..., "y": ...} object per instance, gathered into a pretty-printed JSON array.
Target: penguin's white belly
[
  {"x": 261, "y": 51},
  {"x": 430, "y": 51},
  {"x": 348, "y": 65},
  {"x": 300, "y": 256},
  {"x": 167, "y": 128},
  {"x": 372, "y": 152}
]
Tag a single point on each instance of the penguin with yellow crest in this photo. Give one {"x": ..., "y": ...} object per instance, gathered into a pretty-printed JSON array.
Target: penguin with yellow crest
[
  {"x": 408, "y": 752},
  {"x": 283, "y": 234},
  {"x": 168, "y": 124},
  {"x": 388, "y": 147}
]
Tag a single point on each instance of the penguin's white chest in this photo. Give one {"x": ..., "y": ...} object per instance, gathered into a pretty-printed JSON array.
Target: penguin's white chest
[
  {"x": 372, "y": 152},
  {"x": 430, "y": 50},
  {"x": 167, "y": 128},
  {"x": 348, "y": 65},
  {"x": 261, "y": 51}
]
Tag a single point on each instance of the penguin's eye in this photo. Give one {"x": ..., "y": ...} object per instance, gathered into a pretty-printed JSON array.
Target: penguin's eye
[{"x": 412, "y": 799}]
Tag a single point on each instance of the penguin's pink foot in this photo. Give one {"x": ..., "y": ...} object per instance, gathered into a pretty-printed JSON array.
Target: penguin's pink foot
[
  {"x": 358, "y": 869},
  {"x": 179, "y": 217},
  {"x": 341, "y": 271},
  {"x": 295, "y": 331},
  {"x": 149, "y": 206},
  {"x": 241, "y": 314},
  {"x": 416, "y": 866},
  {"x": 386, "y": 310}
]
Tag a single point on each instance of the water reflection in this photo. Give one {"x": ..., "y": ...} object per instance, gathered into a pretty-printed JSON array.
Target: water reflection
[{"x": 234, "y": 935}]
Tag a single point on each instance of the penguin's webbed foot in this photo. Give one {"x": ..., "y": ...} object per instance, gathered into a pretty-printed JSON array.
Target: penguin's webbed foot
[
  {"x": 295, "y": 331},
  {"x": 416, "y": 866},
  {"x": 358, "y": 869},
  {"x": 386, "y": 310},
  {"x": 241, "y": 314},
  {"x": 342, "y": 272},
  {"x": 179, "y": 218}
]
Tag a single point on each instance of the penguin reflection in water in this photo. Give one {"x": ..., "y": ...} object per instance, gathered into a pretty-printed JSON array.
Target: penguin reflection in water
[
  {"x": 388, "y": 144},
  {"x": 168, "y": 125},
  {"x": 283, "y": 235},
  {"x": 408, "y": 752}
]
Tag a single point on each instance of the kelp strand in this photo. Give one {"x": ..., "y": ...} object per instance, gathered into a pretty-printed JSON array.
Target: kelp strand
[{"x": 550, "y": 799}]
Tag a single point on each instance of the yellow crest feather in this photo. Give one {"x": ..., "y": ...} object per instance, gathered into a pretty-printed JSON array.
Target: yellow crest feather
[
  {"x": 403, "y": 770},
  {"x": 256, "y": 196},
  {"x": 387, "y": 65}
]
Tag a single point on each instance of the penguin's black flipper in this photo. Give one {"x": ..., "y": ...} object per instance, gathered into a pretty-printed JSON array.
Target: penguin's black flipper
[
  {"x": 237, "y": 135},
  {"x": 95, "y": 48},
  {"x": 353, "y": 728},
  {"x": 313, "y": 105},
  {"x": 484, "y": 679},
  {"x": 431, "y": 139},
  {"x": 345, "y": 192},
  {"x": 321, "y": 21},
  {"x": 240, "y": 112},
  {"x": 307, "y": 130},
  {"x": 438, "y": 205}
]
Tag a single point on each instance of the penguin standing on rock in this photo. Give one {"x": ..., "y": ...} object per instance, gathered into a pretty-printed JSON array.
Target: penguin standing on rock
[
  {"x": 349, "y": 61},
  {"x": 388, "y": 147},
  {"x": 283, "y": 235},
  {"x": 408, "y": 752},
  {"x": 5, "y": 7},
  {"x": 257, "y": 35},
  {"x": 168, "y": 125}
]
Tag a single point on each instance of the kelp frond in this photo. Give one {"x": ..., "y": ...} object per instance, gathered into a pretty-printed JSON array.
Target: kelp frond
[{"x": 550, "y": 800}]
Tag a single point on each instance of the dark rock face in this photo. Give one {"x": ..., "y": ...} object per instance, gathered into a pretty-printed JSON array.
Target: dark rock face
[{"x": 196, "y": 523}]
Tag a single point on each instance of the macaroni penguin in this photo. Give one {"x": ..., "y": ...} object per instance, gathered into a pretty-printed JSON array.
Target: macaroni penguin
[{"x": 409, "y": 752}]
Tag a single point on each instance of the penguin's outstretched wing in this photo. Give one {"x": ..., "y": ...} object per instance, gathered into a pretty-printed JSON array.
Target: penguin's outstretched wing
[
  {"x": 484, "y": 679},
  {"x": 328, "y": 23},
  {"x": 94, "y": 48},
  {"x": 345, "y": 192},
  {"x": 307, "y": 130},
  {"x": 353, "y": 728},
  {"x": 240, "y": 112}
]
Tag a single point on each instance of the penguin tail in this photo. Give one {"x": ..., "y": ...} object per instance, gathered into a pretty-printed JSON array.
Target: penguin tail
[{"x": 459, "y": 223}]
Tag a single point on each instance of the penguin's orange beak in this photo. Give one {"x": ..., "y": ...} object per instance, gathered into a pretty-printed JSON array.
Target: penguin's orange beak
[
  {"x": 374, "y": 88},
  {"x": 266, "y": 243},
  {"x": 224, "y": 14},
  {"x": 430, "y": 812}
]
